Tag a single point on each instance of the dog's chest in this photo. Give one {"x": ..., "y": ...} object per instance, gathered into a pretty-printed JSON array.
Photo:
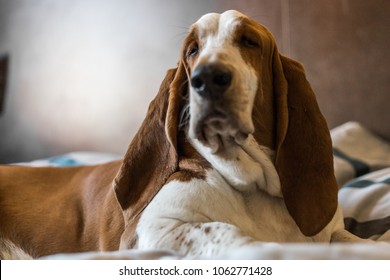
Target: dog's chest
[
  {"x": 255, "y": 213},
  {"x": 267, "y": 219}
]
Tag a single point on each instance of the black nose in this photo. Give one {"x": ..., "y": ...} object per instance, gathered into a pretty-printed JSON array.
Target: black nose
[{"x": 211, "y": 80}]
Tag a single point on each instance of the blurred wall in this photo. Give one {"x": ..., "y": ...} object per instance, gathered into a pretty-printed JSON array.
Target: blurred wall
[
  {"x": 344, "y": 46},
  {"x": 82, "y": 72}
]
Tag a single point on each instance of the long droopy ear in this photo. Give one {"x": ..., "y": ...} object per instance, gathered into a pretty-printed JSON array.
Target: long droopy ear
[
  {"x": 152, "y": 155},
  {"x": 304, "y": 159}
]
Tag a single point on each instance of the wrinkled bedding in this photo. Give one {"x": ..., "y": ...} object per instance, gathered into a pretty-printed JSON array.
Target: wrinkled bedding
[{"x": 362, "y": 169}]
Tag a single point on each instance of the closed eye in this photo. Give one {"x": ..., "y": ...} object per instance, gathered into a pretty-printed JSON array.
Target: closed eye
[
  {"x": 193, "y": 51},
  {"x": 249, "y": 42}
]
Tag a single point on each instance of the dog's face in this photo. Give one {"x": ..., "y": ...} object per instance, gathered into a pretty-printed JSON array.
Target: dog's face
[{"x": 223, "y": 54}]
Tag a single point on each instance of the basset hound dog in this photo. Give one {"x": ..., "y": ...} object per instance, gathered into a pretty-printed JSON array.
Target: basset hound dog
[{"x": 233, "y": 152}]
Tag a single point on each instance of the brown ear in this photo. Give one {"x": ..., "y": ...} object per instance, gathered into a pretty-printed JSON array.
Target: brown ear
[
  {"x": 304, "y": 159},
  {"x": 152, "y": 157}
]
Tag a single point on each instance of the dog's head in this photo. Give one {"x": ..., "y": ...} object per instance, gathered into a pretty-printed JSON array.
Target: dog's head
[
  {"x": 226, "y": 58},
  {"x": 230, "y": 83}
]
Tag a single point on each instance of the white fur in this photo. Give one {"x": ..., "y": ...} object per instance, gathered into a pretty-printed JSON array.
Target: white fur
[
  {"x": 9, "y": 251},
  {"x": 208, "y": 217},
  {"x": 250, "y": 168}
]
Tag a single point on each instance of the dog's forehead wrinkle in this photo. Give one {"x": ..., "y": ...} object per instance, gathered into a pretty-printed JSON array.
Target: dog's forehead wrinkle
[
  {"x": 219, "y": 27},
  {"x": 229, "y": 22},
  {"x": 207, "y": 25}
]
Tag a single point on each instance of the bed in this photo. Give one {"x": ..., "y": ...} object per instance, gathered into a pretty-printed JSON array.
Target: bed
[{"x": 362, "y": 169}]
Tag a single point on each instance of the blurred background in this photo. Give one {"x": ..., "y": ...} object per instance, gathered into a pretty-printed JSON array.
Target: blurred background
[{"x": 78, "y": 75}]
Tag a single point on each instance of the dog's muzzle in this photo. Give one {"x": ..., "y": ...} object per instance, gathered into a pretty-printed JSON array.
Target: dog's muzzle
[{"x": 215, "y": 121}]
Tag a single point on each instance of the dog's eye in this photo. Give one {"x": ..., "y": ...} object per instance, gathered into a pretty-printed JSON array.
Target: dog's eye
[
  {"x": 193, "y": 50},
  {"x": 248, "y": 42}
]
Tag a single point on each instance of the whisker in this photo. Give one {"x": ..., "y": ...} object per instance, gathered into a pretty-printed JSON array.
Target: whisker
[
  {"x": 185, "y": 112},
  {"x": 184, "y": 117},
  {"x": 180, "y": 36},
  {"x": 180, "y": 27}
]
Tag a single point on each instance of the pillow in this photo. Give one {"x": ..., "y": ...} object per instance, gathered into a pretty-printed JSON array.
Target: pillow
[
  {"x": 357, "y": 151},
  {"x": 366, "y": 205},
  {"x": 362, "y": 169}
]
